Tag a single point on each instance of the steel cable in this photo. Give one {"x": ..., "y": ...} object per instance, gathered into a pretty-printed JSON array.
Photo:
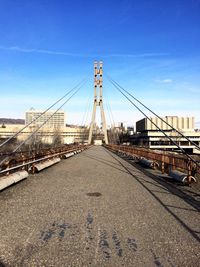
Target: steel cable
[
  {"x": 198, "y": 147},
  {"x": 14, "y": 151},
  {"x": 13, "y": 136},
  {"x": 45, "y": 122},
  {"x": 182, "y": 150}
]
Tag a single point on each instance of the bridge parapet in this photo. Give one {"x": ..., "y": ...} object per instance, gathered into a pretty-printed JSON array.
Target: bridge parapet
[
  {"x": 165, "y": 161},
  {"x": 26, "y": 160}
]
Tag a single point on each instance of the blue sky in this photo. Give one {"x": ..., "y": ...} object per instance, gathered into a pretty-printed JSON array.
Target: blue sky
[{"x": 150, "y": 47}]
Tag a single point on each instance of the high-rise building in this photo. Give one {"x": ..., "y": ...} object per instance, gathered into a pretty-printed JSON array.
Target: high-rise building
[{"x": 49, "y": 119}]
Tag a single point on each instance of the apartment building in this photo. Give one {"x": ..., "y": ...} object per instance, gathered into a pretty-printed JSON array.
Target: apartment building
[{"x": 50, "y": 119}]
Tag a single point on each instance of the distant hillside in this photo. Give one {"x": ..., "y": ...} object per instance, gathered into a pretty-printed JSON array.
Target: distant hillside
[{"x": 11, "y": 121}]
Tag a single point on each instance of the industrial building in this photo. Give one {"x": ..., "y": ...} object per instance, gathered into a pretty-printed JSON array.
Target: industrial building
[{"x": 148, "y": 135}]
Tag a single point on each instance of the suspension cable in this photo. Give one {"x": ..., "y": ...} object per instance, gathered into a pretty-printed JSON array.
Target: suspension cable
[
  {"x": 109, "y": 107},
  {"x": 192, "y": 142},
  {"x": 45, "y": 122},
  {"x": 85, "y": 115},
  {"x": 115, "y": 133},
  {"x": 111, "y": 119},
  {"x": 42, "y": 124},
  {"x": 182, "y": 150},
  {"x": 109, "y": 116},
  {"x": 13, "y": 136}
]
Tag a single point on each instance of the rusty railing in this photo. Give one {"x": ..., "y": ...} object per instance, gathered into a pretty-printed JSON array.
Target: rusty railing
[
  {"x": 164, "y": 160},
  {"x": 23, "y": 161}
]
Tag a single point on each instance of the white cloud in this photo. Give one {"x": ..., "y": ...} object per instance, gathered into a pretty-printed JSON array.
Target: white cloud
[
  {"x": 137, "y": 55},
  {"x": 41, "y": 51},
  {"x": 164, "y": 81},
  {"x": 167, "y": 81},
  {"x": 60, "y": 53}
]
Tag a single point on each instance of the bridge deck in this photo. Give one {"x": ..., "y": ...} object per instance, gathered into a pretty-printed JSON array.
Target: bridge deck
[{"x": 51, "y": 219}]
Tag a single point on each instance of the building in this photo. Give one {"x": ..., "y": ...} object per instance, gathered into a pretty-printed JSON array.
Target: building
[
  {"x": 148, "y": 135},
  {"x": 67, "y": 135},
  {"x": 52, "y": 120},
  {"x": 53, "y": 129},
  {"x": 179, "y": 123}
]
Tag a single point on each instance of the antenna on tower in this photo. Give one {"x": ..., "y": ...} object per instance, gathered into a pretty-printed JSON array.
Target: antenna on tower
[{"x": 98, "y": 100}]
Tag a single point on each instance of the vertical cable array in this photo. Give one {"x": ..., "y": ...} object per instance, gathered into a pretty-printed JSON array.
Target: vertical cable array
[
  {"x": 124, "y": 93},
  {"x": 174, "y": 129},
  {"x": 34, "y": 132},
  {"x": 35, "y": 119}
]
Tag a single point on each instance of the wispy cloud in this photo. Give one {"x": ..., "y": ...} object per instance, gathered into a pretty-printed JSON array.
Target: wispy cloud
[
  {"x": 164, "y": 81},
  {"x": 62, "y": 53},
  {"x": 40, "y": 51},
  {"x": 142, "y": 55}
]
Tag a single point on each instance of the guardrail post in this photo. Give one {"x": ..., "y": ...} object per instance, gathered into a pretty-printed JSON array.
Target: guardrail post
[
  {"x": 189, "y": 171},
  {"x": 173, "y": 164},
  {"x": 33, "y": 165},
  {"x": 23, "y": 161},
  {"x": 8, "y": 166},
  {"x": 162, "y": 165},
  {"x": 154, "y": 164}
]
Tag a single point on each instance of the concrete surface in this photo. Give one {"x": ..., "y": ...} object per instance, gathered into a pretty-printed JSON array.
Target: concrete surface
[{"x": 96, "y": 209}]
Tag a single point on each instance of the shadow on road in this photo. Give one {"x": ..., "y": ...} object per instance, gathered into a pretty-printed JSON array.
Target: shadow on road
[
  {"x": 110, "y": 164},
  {"x": 167, "y": 187}
]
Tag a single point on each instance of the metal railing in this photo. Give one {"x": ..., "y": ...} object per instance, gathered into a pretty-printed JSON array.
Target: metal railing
[
  {"x": 23, "y": 162},
  {"x": 164, "y": 160}
]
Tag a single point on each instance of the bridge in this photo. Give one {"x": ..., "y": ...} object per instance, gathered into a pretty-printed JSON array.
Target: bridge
[
  {"x": 109, "y": 205},
  {"x": 99, "y": 209}
]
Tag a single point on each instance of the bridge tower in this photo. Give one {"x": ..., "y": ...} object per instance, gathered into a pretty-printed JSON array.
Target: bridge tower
[{"x": 98, "y": 100}]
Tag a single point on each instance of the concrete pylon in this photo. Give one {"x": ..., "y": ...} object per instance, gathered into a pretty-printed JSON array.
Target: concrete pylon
[{"x": 98, "y": 100}]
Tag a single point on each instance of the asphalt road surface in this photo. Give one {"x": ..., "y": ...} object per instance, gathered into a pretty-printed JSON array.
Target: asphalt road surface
[{"x": 97, "y": 209}]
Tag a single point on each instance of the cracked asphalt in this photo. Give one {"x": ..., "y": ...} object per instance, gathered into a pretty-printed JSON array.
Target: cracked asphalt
[{"x": 97, "y": 209}]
